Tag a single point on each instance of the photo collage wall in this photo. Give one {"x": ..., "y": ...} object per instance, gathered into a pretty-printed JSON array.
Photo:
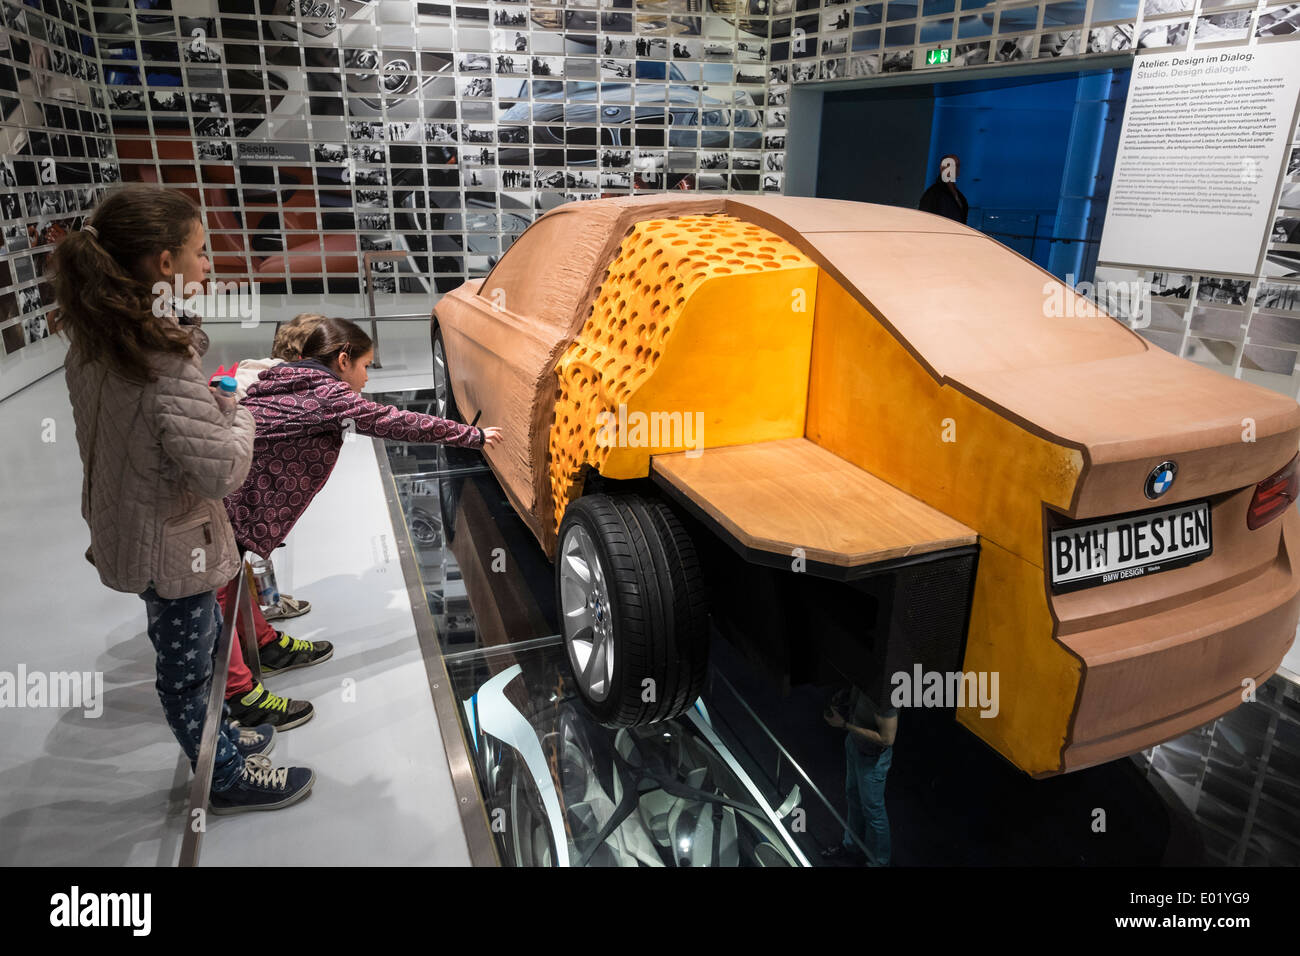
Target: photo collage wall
[
  {"x": 425, "y": 137},
  {"x": 315, "y": 133},
  {"x": 56, "y": 153},
  {"x": 825, "y": 40}
]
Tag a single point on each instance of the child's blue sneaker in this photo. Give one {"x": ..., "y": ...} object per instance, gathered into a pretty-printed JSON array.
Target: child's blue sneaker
[
  {"x": 251, "y": 741},
  {"x": 263, "y": 787}
]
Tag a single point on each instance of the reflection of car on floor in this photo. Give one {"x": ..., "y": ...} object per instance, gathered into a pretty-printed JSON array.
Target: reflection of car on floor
[
  {"x": 579, "y": 795},
  {"x": 1048, "y": 503}
]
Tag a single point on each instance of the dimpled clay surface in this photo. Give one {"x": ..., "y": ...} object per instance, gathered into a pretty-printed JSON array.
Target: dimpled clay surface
[{"x": 703, "y": 325}]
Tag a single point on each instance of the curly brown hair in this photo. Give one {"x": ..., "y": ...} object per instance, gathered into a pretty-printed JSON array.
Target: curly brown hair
[
  {"x": 289, "y": 338},
  {"x": 101, "y": 284}
]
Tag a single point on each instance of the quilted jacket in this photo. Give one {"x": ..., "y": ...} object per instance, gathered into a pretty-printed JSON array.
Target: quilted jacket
[
  {"x": 157, "y": 460},
  {"x": 301, "y": 410}
]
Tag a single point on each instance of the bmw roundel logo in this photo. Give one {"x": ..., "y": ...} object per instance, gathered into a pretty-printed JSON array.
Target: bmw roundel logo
[{"x": 1161, "y": 479}]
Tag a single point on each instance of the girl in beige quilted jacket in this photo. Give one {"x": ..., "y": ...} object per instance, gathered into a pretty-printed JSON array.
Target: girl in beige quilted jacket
[{"x": 159, "y": 450}]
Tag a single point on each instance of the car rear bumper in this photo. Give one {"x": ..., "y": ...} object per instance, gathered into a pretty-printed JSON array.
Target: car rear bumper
[{"x": 1148, "y": 680}]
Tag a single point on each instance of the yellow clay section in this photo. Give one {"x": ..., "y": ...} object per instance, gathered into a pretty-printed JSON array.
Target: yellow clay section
[
  {"x": 702, "y": 331},
  {"x": 871, "y": 403}
]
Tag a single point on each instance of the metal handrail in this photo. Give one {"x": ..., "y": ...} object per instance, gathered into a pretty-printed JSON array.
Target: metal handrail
[{"x": 196, "y": 812}]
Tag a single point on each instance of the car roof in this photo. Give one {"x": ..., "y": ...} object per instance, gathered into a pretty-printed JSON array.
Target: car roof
[{"x": 970, "y": 310}]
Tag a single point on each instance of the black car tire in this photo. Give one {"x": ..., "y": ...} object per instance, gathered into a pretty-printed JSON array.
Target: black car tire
[{"x": 658, "y": 607}]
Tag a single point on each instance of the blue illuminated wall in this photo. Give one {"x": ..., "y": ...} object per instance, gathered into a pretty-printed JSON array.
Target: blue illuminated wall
[
  {"x": 1036, "y": 160},
  {"x": 1036, "y": 152}
]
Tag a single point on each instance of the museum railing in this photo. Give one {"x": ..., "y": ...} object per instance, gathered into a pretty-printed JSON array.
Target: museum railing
[{"x": 196, "y": 808}]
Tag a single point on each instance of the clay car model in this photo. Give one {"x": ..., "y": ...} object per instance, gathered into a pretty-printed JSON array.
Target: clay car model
[{"x": 870, "y": 443}]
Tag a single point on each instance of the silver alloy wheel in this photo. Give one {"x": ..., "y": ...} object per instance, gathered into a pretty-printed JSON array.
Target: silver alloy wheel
[
  {"x": 440, "y": 384},
  {"x": 586, "y": 614}
]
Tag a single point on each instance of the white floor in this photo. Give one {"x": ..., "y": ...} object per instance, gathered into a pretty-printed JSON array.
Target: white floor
[{"x": 110, "y": 790}]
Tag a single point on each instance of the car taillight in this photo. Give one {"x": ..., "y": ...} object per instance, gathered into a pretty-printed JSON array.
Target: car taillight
[{"x": 1274, "y": 495}]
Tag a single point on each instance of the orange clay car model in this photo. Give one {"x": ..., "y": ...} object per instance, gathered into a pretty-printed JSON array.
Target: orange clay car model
[{"x": 857, "y": 440}]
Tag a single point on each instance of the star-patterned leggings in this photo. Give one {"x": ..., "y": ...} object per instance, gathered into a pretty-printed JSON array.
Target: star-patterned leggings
[{"x": 184, "y": 633}]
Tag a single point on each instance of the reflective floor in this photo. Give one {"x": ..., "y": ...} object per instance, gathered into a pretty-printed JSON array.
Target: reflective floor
[
  {"x": 1240, "y": 777},
  {"x": 752, "y": 776}
]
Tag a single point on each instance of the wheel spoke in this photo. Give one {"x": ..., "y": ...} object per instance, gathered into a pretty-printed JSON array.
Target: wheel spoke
[
  {"x": 581, "y": 646},
  {"x": 578, "y": 619},
  {"x": 582, "y": 595},
  {"x": 576, "y": 565},
  {"x": 596, "y": 682}
]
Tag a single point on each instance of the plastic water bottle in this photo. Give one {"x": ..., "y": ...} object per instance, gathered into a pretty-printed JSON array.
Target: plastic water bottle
[
  {"x": 268, "y": 593},
  {"x": 224, "y": 379}
]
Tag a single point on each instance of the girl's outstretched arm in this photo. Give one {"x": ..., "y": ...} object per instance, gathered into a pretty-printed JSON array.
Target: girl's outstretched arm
[{"x": 386, "y": 421}]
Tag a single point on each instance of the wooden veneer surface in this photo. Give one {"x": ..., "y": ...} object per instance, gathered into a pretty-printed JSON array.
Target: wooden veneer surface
[{"x": 791, "y": 493}]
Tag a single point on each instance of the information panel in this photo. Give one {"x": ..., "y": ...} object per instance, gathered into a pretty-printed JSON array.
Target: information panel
[{"x": 1203, "y": 140}]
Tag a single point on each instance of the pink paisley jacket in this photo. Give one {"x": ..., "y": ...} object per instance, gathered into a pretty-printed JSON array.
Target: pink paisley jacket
[{"x": 301, "y": 410}]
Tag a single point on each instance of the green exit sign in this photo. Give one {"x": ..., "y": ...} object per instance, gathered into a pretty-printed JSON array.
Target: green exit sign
[{"x": 938, "y": 57}]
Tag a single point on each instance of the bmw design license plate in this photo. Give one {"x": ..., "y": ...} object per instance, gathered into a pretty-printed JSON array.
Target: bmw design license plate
[{"x": 1129, "y": 546}]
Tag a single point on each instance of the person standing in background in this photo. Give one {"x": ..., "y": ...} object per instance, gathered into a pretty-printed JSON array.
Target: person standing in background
[
  {"x": 868, "y": 752},
  {"x": 943, "y": 198}
]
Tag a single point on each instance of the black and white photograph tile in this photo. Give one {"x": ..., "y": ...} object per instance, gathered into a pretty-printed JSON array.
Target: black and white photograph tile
[
  {"x": 1171, "y": 285},
  {"x": 1222, "y": 27},
  {"x": 832, "y": 69},
  {"x": 1014, "y": 48},
  {"x": 971, "y": 54},
  {"x": 1222, "y": 291},
  {"x": 1111, "y": 39},
  {"x": 15, "y": 237},
  {"x": 14, "y": 338},
  {"x": 1285, "y": 231},
  {"x": 1278, "y": 296},
  {"x": 1281, "y": 21},
  {"x": 1163, "y": 34},
  {"x": 1060, "y": 43},
  {"x": 29, "y": 300},
  {"x": 897, "y": 62},
  {"x": 865, "y": 65},
  {"x": 36, "y": 327}
]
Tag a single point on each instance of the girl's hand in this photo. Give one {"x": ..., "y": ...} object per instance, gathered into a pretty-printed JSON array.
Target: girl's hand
[
  {"x": 225, "y": 401},
  {"x": 491, "y": 436}
]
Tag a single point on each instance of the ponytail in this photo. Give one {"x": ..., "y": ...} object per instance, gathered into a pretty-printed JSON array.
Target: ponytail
[
  {"x": 104, "y": 294},
  {"x": 334, "y": 337}
]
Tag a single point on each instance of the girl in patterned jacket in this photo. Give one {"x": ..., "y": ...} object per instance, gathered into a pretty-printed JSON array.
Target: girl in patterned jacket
[{"x": 302, "y": 410}]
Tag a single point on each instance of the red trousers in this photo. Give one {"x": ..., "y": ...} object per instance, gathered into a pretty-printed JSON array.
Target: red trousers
[{"x": 240, "y": 679}]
